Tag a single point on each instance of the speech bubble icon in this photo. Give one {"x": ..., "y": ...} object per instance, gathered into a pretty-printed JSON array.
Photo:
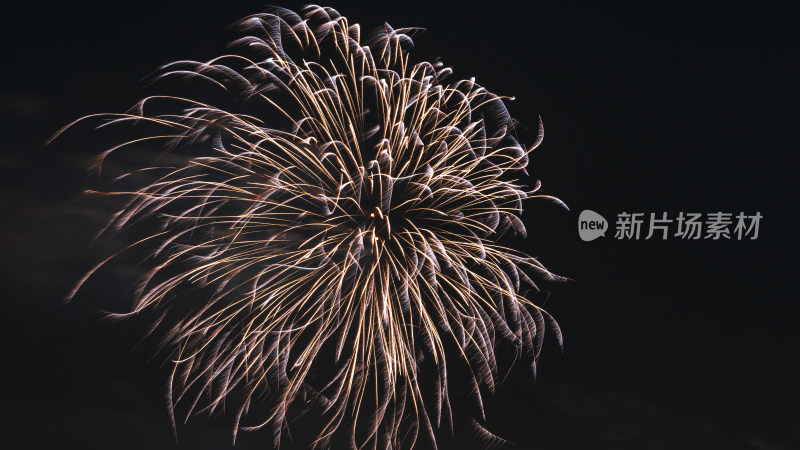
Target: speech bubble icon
[{"x": 591, "y": 225}]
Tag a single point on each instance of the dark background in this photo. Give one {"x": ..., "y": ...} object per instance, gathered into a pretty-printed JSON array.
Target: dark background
[{"x": 674, "y": 107}]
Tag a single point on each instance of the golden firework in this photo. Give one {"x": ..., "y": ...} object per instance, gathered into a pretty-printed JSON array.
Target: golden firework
[{"x": 341, "y": 231}]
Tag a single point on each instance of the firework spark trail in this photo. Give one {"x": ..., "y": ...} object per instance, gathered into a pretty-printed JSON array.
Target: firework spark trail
[{"x": 355, "y": 227}]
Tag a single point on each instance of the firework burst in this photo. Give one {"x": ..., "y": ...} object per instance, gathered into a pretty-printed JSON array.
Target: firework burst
[{"x": 338, "y": 236}]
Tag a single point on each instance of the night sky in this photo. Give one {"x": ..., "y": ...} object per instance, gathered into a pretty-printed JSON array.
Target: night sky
[{"x": 670, "y": 108}]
